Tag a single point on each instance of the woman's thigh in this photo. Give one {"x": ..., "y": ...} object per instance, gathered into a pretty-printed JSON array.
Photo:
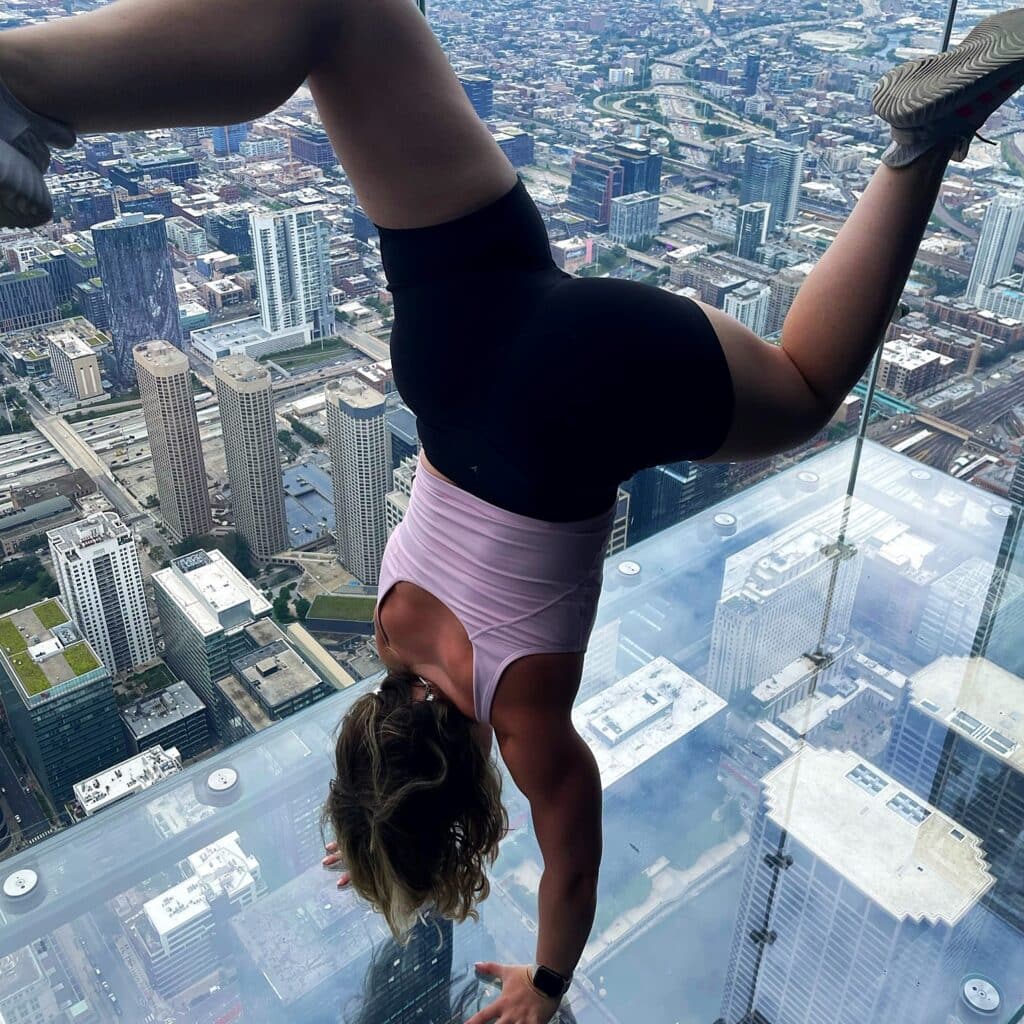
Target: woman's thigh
[{"x": 401, "y": 123}]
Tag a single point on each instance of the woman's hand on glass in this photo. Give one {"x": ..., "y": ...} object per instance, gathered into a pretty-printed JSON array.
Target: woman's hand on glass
[
  {"x": 333, "y": 863},
  {"x": 519, "y": 1002}
]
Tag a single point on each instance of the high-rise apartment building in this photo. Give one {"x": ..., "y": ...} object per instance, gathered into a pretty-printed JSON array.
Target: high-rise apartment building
[
  {"x": 58, "y": 699},
  {"x": 97, "y": 566},
  {"x": 246, "y": 399},
  {"x": 125, "y": 779},
  {"x": 997, "y": 246},
  {"x": 165, "y": 386},
  {"x": 135, "y": 265},
  {"x": 205, "y": 604},
  {"x": 180, "y": 931},
  {"x": 749, "y": 304},
  {"x": 958, "y": 742},
  {"x": 75, "y": 365},
  {"x": 633, "y": 217},
  {"x": 480, "y": 90},
  {"x": 859, "y": 902},
  {"x": 27, "y": 299},
  {"x": 775, "y": 614},
  {"x": 751, "y": 228},
  {"x": 772, "y": 173},
  {"x": 291, "y": 254},
  {"x": 356, "y": 425},
  {"x": 785, "y": 286}
]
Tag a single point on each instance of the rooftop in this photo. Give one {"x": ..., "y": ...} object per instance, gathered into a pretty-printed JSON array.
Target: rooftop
[
  {"x": 641, "y": 715},
  {"x": 131, "y": 776},
  {"x": 353, "y": 393},
  {"x": 276, "y": 673},
  {"x": 902, "y": 853},
  {"x": 210, "y": 592},
  {"x": 220, "y": 869},
  {"x": 159, "y": 710},
  {"x": 88, "y": 533},
  {"x": 241, "y": 369},
  {"x": 161, "y": 355},
  {"x": 977, "y": 699},
  {"x": 41, "y": 648}
]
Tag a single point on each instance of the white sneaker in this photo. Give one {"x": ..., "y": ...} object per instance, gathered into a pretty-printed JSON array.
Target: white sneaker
[
  {"x": 951, "y": 95},
  {"x": 25, "y": 142}
]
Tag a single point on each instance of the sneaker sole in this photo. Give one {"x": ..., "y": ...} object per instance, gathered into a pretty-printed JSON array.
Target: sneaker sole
[
  {"x": 986, "y": 68},
  {"x": 24, "y": 201}
]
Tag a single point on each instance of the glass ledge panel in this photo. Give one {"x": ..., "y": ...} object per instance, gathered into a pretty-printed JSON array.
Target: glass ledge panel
[{"x": 809, "y": 719}]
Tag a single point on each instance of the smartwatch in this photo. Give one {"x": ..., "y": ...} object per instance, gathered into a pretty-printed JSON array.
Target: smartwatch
[{"x": 549, "y": 982}]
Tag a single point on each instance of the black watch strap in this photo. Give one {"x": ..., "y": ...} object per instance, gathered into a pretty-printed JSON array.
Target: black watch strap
[{"x": 551, "y": 983}]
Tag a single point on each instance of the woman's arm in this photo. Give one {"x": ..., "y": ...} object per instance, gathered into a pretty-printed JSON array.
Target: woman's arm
[{"x": 556, "y": 771}]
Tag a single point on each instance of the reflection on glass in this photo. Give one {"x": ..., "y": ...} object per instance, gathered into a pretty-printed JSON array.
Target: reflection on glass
[{"x": 806, "y": 708}]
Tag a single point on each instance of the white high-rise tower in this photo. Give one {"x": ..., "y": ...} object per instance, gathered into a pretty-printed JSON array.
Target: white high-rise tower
[
  {"x": 360, "y": 471},
  {"x": 997, "y": 246},
  {"x": 291, "y": 254},
  {"x": 97, "y": 567}
]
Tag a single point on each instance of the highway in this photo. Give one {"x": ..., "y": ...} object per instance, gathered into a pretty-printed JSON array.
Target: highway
[{"x": 79, "y": 455}]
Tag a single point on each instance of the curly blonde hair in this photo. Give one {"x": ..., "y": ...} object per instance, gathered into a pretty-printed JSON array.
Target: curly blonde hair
[{"x": 415, "y": 806}]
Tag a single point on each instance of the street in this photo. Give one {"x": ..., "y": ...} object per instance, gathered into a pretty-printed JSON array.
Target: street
[{"x": 16, "y": 801}]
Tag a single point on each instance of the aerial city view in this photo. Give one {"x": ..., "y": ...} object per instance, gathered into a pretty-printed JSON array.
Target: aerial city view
[{"x": 804, "y": 691}]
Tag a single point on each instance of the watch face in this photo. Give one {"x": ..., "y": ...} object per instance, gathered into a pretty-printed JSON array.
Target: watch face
[{"x": 550, "y": 983}]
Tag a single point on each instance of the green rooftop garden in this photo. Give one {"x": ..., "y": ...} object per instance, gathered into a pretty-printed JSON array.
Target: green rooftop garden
[
  {"x": 50, "y": 614},
  {"x": 32, "y": 677},
  {"x": 81, "y": 659},
  {"x": 10, "y": 639},
  {"x": 355, "y": 608}
]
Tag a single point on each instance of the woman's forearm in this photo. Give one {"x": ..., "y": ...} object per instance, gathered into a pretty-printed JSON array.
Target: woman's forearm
[{"x": 567, "y": 909}]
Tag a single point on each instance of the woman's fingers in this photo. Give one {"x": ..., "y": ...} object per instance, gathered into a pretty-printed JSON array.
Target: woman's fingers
[{"x": 344, "y": 880}]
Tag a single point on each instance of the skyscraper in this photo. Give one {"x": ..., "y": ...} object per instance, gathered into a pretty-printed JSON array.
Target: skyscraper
[
  {"x": 97, "y": 567},
  {"x": 775, "y": 614},
  {"x": 641, "y": 167},
  {"x": 772, "y": 174},
  {"x": 58, "y": 699},
  {"x": 291, "y": 254},
  {"x": 165, "y": 385},
  {"x": 135, "y": 265},
  {"x": 858, "y": 901},
  {"x": 246, "y": 398},
  {"x": 359, "y": 467},
  {"x": 596, "y": 180},
  {"x": 205, "y": 604},
  {"x": 27, "y": 299},
  {"x": 997, "y": 246},
  {"x": 227, "y": 138},
  {"x": 958, "y": 742},
  {"x": 751, "y": 73},
  {"x": 480, "y": 90},
  {"x": 633, "y": 218},
  {"x": 749, "y": 304},
  {"x": 751, "y": 228}
]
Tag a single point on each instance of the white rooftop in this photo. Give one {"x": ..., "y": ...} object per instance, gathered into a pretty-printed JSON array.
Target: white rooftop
[
  {"x": 88, "y": 533},
  {"x": 131, "y": 776},
  {"x": 977, "y": 699},
  {"x": 903, "y": 854},
  {"x": 220, "y": 869},
  {"x": 210, "y": 592},
  {"x": 639, "y": 716}
]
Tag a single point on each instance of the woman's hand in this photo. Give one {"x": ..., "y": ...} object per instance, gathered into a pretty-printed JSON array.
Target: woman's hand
[
  {"x": 519, "y": 1002},
  {"x": 333, "y": 863}
]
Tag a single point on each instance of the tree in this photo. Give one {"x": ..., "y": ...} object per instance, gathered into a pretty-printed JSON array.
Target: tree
[
  {"x": 301, "y": 607},
  {"x": 281, "y": 610}
]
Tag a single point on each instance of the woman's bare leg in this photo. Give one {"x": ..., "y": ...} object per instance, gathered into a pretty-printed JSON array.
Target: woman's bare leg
[{"x": 403, "y": 128}]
